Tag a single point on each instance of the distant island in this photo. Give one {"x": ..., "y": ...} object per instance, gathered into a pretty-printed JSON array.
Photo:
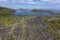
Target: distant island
[{"x": 10, "y": 12}]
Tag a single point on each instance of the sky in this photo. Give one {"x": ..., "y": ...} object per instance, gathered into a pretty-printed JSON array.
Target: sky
[{"x": 31, "y": 4}]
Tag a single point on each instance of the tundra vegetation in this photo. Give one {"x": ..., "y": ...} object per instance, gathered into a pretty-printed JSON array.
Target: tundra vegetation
[{"x": 28, "y": 27}]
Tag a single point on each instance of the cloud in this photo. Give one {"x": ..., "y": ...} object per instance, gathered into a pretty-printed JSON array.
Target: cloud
[{"x": 32, "y": 1}]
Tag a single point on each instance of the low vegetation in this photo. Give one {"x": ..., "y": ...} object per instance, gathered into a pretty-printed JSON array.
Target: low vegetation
[
  {"x": 54, "y": 27},
  {"x": 28, "y": 27},
  {"x": 6, "y": 11}
]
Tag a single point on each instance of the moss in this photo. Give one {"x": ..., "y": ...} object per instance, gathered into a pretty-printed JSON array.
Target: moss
[
  {"x": 53, "y": 33},
  {"x": 44, "y": 19},
  {"x": 55, "y": 24},
  {"x": 53, "y": 27}
]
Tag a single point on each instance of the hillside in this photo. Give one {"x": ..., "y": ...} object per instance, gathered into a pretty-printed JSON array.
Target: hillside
[
  {"x": 6, "y": 11},
  {"x": 28, "y": 27}
]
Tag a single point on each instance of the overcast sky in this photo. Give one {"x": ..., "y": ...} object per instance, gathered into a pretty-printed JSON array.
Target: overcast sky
[{"x": 45, "y": 4}]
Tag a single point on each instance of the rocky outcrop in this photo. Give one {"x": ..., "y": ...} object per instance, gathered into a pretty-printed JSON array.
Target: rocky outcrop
[{"x": 28, "y": 29}]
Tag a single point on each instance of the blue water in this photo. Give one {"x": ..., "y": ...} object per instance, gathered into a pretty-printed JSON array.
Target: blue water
[{"x": 29, "y": 13}]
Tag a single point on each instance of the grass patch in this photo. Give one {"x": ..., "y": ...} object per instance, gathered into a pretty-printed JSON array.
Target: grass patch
[
  {"x": 12, "y": 21},
  {"x": 53, "y": 27}
]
